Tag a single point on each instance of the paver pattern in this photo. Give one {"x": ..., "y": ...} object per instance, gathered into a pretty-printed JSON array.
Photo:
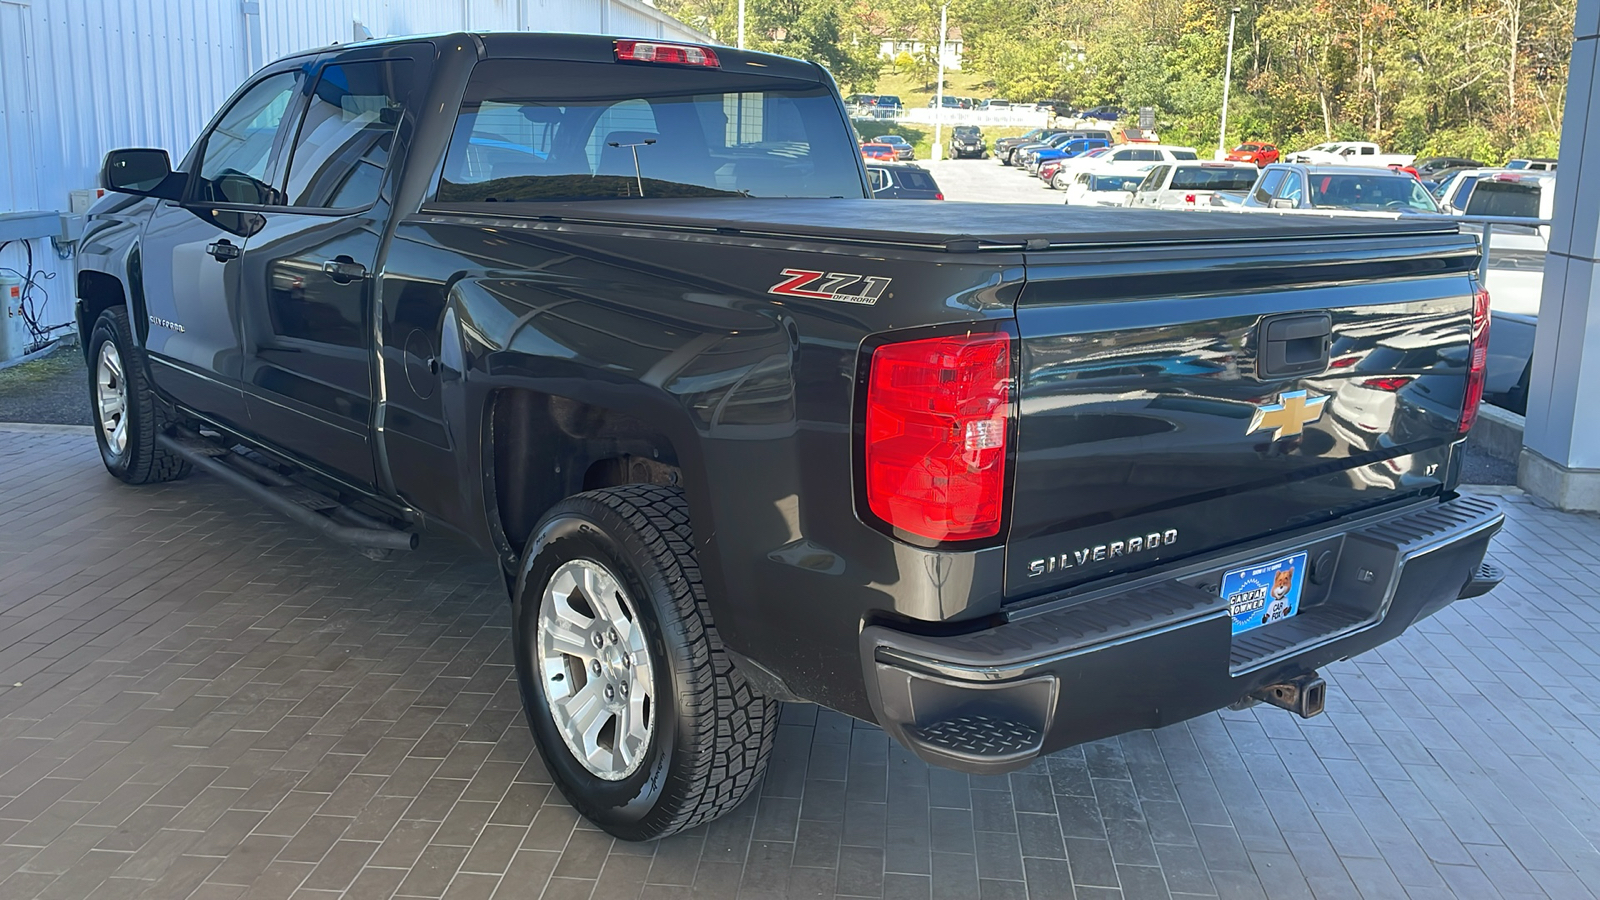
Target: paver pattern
[{"x": 198, "y": 699}]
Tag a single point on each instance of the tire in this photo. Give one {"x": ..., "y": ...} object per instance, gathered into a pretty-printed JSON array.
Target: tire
[
  {"x": 1057, "y": 183},
  {"x": 707, "y": 733},
  {"x": 127, "y": 417}
]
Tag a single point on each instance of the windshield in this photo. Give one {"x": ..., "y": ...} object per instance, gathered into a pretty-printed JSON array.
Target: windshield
[
  {"x": 1206, "y": 178},
  {"x": 1371, "y": 192},
  {"x": 1247, "y": 148},
  {"x": 1184, "y": 154},
  {"x": 531, "y": 130}
]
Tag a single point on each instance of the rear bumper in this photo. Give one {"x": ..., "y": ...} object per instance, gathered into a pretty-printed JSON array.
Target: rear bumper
[{"x": 1162, "y": 650}]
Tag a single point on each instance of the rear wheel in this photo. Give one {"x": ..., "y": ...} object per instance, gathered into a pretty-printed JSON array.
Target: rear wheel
[
  {"x": 127, "y": 417},
  {"x": 641, "y": 718},
  {"x": 1057, "y": 182}
]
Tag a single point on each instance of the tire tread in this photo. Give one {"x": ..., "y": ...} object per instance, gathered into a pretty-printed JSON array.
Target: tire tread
[{"x": 735, "y": 724}]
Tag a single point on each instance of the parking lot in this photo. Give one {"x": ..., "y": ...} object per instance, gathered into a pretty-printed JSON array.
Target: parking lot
[
  {"x": 205, "y": 701},
  {"x": 985, "y": 181}
]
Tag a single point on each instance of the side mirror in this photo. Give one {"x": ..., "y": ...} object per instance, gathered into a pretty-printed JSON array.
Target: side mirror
[
  {"x": 142, "y": 172},
  {"x": 1282, "y": 203}
]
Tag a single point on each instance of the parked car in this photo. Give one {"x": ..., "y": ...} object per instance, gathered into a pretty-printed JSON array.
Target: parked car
[
  {"x": 1349, "y": 153},
  {"x": 1429, "y": 168},
  {"x": 1515, "y": 278},
  {"x": 1062, "y": 170},
  {"x": 733, "y": 434},
  {"x": 1260, "y": 154},
  {"x": 1004, "y": 146},
  {"x": 965, "y": 141},
  {"x": 902, "y": 147},
  {"x": 1104, "y": 113},
  {"x": 1128, "y": 159},
  {"x": 888, "y": 107},
  {"x": 1538, "y": 164},
  {"x": 1090, "y": 189},
  {"x": 1074, "y": 146},
  {"x": 902, "y": 181},
  {"x": 996, "y": 103},
  {"x": 1355, "y": 188},
  {"x": 1021, "y": 154},
  {"x": 1187, "y": 185},
  {"x": 879, "y": 151},
  {"x": 948, "y": 102},
  {"x": 1453, "y": 193}
]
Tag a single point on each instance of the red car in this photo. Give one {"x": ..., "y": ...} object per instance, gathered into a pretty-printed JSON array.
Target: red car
[
  {"x": 1260, "y": 154},
  {"x": 878, "y": 151}
]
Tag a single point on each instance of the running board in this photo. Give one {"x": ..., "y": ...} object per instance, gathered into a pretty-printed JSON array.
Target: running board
[{"x": 294, "y": 501}]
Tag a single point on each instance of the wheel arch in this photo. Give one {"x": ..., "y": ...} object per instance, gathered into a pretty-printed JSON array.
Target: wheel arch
[{"x": 542, "y": 448}]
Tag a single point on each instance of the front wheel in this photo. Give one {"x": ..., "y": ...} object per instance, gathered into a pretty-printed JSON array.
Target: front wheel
[
  {"x": 642, "y": 719},
  {"x": 127, "y": 417}
]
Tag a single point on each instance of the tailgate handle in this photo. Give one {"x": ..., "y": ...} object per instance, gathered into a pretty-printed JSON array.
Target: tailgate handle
[{"x": 1294, "y": 345}]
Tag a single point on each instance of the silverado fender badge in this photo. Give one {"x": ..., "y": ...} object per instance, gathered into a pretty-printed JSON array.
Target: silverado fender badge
[
  {"x": 1102, "y": 552},
  {"x": 1289, "y": 416},
  {"x": 831, "y": 286},
  {"x": 166, "y": 323}
]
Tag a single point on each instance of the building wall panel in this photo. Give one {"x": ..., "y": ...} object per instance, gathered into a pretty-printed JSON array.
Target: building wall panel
[{"x": 80, "y": 77}]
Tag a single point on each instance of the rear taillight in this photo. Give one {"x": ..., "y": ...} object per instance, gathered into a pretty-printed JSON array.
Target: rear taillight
[
  {"x": 1189, "y": 199},
  {"x": 1391, "y": 384},
  {"x": 669, "y": 54},
  {"x": 937, "y": 415},
  {"x": 1477, "y": 363},
  {"x": 938, "y": 196}
]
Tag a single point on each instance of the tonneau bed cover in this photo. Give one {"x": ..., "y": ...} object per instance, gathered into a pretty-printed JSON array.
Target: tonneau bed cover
[{"x": 960, "y": 227}]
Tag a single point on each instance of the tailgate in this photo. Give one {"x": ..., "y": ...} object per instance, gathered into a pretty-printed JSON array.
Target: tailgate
[{"x": 1177, "y": 400}]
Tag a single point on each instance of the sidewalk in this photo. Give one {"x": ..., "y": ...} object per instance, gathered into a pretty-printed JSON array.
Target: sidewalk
[{"x": 198, "y": 699}]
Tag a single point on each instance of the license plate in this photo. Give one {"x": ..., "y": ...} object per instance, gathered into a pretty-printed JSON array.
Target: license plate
[{"x": 1262, "y": 594}]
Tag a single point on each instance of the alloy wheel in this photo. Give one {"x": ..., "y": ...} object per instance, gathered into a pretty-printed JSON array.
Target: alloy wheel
[
  {"x": 595, "y": 669},
  {"x": 111, "y": 398}
]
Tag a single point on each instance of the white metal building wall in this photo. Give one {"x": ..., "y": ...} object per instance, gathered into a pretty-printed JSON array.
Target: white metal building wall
[{"x": 80, "y": 77}]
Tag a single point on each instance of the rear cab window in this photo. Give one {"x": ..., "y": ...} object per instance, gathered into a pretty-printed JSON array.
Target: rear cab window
[
  {"x": 541, "y": 130},
  {"x": 1212, "y": 178},
  {"x": 1519, "y": 199}
]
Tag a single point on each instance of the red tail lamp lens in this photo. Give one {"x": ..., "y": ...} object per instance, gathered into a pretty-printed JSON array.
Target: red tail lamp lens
[
  {"x": 1478, "y": 365},
  {"x": 937, "y": 418}
]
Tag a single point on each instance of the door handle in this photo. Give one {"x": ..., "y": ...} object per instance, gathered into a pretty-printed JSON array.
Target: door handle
[
  {"x": 1294, "y": 345},
  {"x": 343, "y": 270},
  {"x": 223, "y": 250}
]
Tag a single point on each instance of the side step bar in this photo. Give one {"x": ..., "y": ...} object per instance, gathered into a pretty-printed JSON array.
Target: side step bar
[{"x": 283, "y": 496}]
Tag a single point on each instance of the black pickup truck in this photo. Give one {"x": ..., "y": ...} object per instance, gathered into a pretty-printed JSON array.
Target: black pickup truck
[{"x": 1001, "y": 479}]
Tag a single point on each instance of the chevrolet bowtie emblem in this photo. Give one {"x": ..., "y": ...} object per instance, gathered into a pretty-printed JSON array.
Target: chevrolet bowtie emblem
[{"x": 1289, "y": 416}]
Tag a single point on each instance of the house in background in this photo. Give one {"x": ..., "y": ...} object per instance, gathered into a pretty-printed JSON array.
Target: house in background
[{"x": 890, "y": 46}]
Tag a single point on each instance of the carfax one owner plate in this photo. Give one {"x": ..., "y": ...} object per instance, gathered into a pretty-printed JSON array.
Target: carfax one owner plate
[{"x": 1268, "y": 592}]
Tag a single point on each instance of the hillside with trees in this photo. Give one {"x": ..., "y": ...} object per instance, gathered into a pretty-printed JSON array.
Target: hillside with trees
[{"x": 1482, "y": 78}]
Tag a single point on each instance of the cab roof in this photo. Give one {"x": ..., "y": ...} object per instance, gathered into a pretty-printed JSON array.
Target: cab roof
[{"x": 588, "y": 48}]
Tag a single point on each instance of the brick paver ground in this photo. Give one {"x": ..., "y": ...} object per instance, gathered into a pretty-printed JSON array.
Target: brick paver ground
[{"x": 200, "y": 700}]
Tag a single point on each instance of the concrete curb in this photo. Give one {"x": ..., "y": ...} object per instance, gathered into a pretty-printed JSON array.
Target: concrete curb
[
  {"x": 31, "y": 428},
  {"x": 1497, "y": 432}
]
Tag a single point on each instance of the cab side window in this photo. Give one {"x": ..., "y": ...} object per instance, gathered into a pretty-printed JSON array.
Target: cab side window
[
  {"x": 342, "y": 148},
  {"x": 1267, "y": 185},
  {"x": 1291, "y": 189},
  {"x": 233, "y": 162}
]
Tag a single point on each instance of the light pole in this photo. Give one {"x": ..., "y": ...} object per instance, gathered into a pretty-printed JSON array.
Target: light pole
[
  {"x": 741, "y": 24},
  {"x": 1227, "y": 81},
  {"x": 938, "y": 92}
]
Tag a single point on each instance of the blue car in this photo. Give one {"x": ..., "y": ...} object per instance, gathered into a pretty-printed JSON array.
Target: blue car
[{"x": 1067, "y": 150}]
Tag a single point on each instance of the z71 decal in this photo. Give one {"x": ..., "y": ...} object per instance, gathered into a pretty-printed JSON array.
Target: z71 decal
[{"x": 839, "y": 286}]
